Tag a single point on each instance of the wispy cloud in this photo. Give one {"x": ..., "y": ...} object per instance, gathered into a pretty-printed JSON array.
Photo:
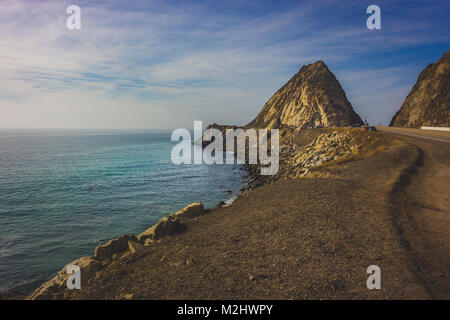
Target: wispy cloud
[{"x": 166, "y": 63}]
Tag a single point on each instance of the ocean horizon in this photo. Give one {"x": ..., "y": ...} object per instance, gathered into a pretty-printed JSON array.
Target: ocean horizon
[{"x": 65, "y": 191}]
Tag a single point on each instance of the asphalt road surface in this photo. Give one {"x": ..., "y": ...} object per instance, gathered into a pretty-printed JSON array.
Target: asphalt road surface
[
  {"x": 424, "y": 207},
  {"x": 439, "y": 136}
]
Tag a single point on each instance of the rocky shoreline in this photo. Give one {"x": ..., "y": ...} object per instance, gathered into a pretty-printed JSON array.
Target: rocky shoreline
[
  {"x": 302, "y": 153},
  {"x": 305, "y": 156},
  {"x": 124, "y": 247},
  {"x": 310, "y": 237}
]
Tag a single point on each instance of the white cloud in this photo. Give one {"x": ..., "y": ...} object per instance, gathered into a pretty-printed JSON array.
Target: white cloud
[{"x": 164, "y": 67}]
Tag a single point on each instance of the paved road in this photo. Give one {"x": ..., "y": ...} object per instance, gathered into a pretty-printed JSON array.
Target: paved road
[
  {"x": 439, "y": 136},
  {"x": 423, "y": 212}
]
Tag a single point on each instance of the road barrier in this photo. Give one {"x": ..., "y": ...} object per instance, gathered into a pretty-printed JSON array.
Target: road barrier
[{"x": 436, "y": 128}]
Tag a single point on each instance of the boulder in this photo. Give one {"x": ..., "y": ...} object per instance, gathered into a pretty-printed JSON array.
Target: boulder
[
  {"x": 57, "y": 287},
  {"x": 191, "y": 211},
  {"x": 171, "y": 224},
  {"x": 107, "y": 250},
  {"x": 166, "y": 226}
]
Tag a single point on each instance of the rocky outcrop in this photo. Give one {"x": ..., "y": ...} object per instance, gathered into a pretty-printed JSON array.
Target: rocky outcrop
[
  {"x": 121, "y": 247},
  {"x": 165, "y": 227},
  {"x": 172, "y": 224},
  {"x": 303, "y": 152},
  {"x": 222, "y": 128},
  {"x": 112, "y": 247},
  {"x": 312, "y": 98},
  {"x": 56, "y": 288},
  {"x": 428, "y": 103},
  {"x": 193, "y": 210},
  {"x": 333, "y": 146}
]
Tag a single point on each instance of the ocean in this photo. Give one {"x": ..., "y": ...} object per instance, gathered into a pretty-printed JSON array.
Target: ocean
[{"x": 64, "y": 192}]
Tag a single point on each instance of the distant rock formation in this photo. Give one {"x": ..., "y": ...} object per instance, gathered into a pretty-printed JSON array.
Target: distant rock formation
[
  {"x": 428, "y": 103},
  {"x": 222, "y": 128},
  {"x": 313, "y": 98}
]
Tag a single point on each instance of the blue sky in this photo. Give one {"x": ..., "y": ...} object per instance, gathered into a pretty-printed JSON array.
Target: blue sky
[{"x": 164, "y": 64}]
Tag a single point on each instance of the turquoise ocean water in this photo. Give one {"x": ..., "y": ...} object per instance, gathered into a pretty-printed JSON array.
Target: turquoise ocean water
[{"x": 63, "y": 192}]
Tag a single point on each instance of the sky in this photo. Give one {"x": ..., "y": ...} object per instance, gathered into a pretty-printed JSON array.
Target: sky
[{"x": 163, "y": 64}]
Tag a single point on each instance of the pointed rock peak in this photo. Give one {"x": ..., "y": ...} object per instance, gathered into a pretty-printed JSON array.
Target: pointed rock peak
[
  {"x": 318, "y": 65},
  {"x": 310, "y": 99}
]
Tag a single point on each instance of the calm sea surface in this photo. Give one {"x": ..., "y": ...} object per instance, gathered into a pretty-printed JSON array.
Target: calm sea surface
[{"x": 62, "y": 193}]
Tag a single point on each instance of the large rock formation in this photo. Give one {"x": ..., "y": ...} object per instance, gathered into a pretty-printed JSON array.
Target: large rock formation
[
  {"x": 312, "y": 98},
  {"x": 428, "y": 103}
]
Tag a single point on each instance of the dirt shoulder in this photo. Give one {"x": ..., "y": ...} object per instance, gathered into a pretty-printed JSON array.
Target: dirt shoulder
[{"x": 308, "y": 237}]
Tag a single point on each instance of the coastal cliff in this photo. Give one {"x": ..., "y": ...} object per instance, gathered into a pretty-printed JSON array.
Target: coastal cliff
[{"x": 428, "y": 103}]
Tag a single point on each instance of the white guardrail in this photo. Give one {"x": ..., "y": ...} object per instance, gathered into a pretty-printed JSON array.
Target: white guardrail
[{"x": 436, "y": 128}]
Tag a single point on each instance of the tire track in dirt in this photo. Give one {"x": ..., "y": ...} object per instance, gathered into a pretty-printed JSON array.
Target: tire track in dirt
[{"x": 420, "y": 213}]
